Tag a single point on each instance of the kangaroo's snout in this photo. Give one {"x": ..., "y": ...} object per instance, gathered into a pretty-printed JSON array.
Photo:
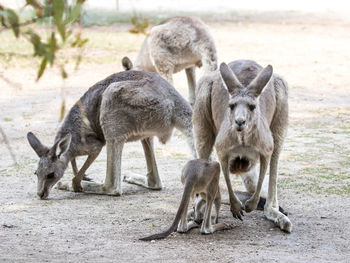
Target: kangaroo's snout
[
  {"x": 42, "y": 194},
  {"x": 240, "y": 124}
]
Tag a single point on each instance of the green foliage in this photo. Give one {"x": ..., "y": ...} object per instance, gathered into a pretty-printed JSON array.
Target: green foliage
[
  {"x": 140, "y": 25},
  {"x": 57, "y": 13}
]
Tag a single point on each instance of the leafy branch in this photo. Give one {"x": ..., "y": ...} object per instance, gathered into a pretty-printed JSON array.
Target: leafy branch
[{"x": 57, "y": 13}]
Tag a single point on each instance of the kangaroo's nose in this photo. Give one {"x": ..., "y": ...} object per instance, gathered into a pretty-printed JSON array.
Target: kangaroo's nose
[
  {"x": 41, "y": 194},
  {"x": 240, "y": 122}
]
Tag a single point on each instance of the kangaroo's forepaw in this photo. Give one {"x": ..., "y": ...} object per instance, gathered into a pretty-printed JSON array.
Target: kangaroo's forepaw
[
  {"x": 237, "y": 210},
  {"x": 76, "y": 184},
  {"x": 250, "y": 205}
]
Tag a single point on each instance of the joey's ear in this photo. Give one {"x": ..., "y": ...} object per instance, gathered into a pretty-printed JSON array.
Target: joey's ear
[
  {"x": 257, "y": 85},
  {"x": 38, "y": 147},
  {"x": 61, "y": 147},
  {"x": 229, "y": 79},
  {"x": 127, "y": 64}
]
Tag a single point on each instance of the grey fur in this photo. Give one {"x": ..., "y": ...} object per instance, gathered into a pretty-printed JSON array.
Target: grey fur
[
  {"x": 177, "y": 43},
  {"x": 124, "y": 107},
  {"x": 224, "y": 115}
]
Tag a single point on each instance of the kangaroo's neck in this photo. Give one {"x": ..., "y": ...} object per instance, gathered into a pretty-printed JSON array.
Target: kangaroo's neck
[{"x": 71, "y": 125}]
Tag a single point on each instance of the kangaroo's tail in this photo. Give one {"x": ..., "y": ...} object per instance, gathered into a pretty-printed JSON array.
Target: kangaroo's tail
[
  {"x": 244, "y": 196},
  {"x": 182, "y": 208}
]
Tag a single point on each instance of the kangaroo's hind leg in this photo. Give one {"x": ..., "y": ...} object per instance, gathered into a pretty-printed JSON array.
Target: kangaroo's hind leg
[
  {"x": 271, "y": 209},
  {"x": 278, "y": 128},
  {"x": 152, "y": 179}
]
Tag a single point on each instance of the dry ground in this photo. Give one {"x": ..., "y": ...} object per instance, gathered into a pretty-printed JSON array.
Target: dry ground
[{"x": 314, "y": 182}]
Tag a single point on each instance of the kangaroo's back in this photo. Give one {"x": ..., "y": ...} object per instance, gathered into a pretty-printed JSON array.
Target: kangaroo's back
[
  {"x": 140, "y": 106},
  {"x": 89, "y": 106}
]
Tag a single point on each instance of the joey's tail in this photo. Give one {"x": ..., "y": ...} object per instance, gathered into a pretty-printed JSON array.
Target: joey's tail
[
  {"x": 183, "y": 205},
  {"x": 244, "y": 196}
]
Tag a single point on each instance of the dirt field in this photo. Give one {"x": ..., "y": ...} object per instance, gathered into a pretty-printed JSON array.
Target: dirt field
[{"x": 314, "y": 181}]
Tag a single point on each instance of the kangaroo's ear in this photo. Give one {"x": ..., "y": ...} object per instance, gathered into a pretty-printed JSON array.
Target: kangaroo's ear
[
  {"x": 258, "y": 84},
  {"x": 38, "y": 147},
  {"x": 61, "y": 147},
  {"x": 229, "y": 79},
  {"x": 127, "y": 64}
]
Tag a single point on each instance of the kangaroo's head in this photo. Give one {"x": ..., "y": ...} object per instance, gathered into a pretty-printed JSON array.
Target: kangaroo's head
[
  {"x": 243, "y": 102},
  {"x": 52, "y": 164}
]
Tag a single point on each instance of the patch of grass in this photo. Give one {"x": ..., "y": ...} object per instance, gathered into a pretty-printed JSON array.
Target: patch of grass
[
  {"x": 289, "y": 183},
  {"x": 345, "y": 163},
  {"x": 27, "y": 116},
  {"x": 319, "y": 180},
  {"x": 343, "y": 190},
  {"x": 308, "y": 156},
  {"x": 316, "y": 170},
  {"x": 104, "y": 46},
  {"x": 5, "y": 172}
]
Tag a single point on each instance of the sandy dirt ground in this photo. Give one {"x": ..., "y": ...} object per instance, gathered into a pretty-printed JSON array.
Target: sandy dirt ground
[{"x": 314, "y": 181}]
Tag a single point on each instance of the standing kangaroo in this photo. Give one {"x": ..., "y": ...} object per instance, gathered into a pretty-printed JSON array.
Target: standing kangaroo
[
  {"x": 124, "y": 107},
  {"x": 243, "y": 110},
  {"x": 198, "y": 177},
  {"x": 177, "y": 43}
]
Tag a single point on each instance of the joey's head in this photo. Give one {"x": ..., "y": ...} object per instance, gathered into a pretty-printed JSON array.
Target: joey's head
[
  {"x": 52, "y": 164},
  {"x": 243, "y": 103}
]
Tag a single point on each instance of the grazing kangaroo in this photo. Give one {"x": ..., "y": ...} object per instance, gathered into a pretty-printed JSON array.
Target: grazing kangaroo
[
  {"x": 198, "y": 177},
  {"x": 243, "y": 110},
  {"x": 124, "y": 107},
  {"x": 175, "y": 44}
]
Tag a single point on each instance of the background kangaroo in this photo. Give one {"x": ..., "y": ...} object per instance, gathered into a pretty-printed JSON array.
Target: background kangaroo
[
  {"x": 124, "y": 107},
  {"x": 198, "y": 177},
  {"x": 175, "y": 44},
  {"x": 243, "y": 109}
]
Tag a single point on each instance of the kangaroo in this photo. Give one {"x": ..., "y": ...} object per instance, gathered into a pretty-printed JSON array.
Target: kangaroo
[
  {"x": 126, "y": 106},
  {"x": 243, "y": 109},
  {"x": 175, "y": 44},
  {"x": 198, "y": 177}
]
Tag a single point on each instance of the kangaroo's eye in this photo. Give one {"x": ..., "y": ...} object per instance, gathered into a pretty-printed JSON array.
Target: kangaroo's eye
[
  {"x": 232, "y": 106},
  {"x": 252, "y": 107},
  {"x": 50, "y": 176}
]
